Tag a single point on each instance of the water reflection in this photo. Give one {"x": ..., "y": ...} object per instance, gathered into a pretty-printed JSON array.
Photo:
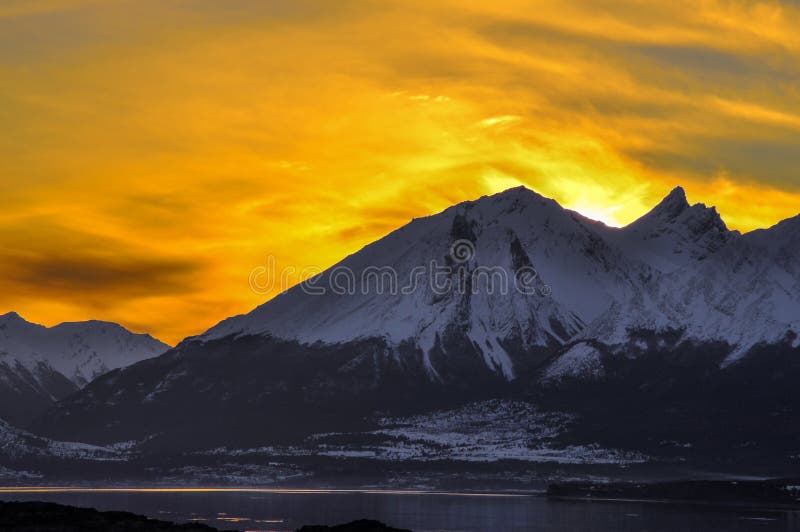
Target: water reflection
[{"x": 285, "y": 510}]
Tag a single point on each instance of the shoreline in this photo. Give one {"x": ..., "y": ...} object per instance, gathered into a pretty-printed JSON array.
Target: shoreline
[
  {"x": 289, "y": 491},
  {"x": 778, "y": 494}
]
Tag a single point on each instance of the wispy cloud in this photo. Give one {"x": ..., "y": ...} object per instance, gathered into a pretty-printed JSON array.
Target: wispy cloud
[{"x": 190, "y": 139}]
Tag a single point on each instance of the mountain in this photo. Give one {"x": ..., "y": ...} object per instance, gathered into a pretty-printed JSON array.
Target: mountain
[
  {"x": 40, "y": 365},
  {"x": 710, "y": 285},
  {"x": 576, "y": 277},
  {"x": 674, "y": 234},
  {"x": 648, "y": 328}
]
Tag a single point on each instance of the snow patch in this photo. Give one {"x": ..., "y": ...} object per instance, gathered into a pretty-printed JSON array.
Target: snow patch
[{"x": 581, "y": 361}]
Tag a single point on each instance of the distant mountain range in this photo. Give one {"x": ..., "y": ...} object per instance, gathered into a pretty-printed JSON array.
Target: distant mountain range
[
  {"x": 671, "y": 335},
  {"x": 40, "y": 365}
]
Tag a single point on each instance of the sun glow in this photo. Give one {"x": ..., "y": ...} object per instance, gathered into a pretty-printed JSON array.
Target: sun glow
[{"x": 154, "y": 152}]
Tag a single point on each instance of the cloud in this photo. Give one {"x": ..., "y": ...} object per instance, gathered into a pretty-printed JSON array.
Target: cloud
[
  {"x": 24, "y": 8},
  {"x": 757, "y": 113},
  {"x": 42, "y": 259},
  {"x": 159, "y": 150}
]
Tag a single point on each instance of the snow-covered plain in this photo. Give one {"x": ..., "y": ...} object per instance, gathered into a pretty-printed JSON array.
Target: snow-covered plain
[
  {"x": 16, "y": 444},
  {"x": 487, "y": 431}
]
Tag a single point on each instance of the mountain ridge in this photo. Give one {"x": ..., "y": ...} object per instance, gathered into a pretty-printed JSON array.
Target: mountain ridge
[
  {"x": 673, "y": 300},
  {"x": 669, "y": 243},
  {"x": 40, "y": 365}
]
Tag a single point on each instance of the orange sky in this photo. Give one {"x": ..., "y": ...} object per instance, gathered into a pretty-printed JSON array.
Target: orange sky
[{"x": 155, "y": 152}]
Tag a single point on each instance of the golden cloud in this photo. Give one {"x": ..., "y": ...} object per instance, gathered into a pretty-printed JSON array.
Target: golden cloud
[{"x": 160, "y": 150}]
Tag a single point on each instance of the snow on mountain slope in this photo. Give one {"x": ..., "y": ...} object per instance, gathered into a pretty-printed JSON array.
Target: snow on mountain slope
[
  {"x": 712, "y": 284},
  {"x": 579, "y": 361},
  {"x": 80, "y": 351},
  {"x": 674, "y": 234},
  {"x": 749, "y": 293},
  {"x": 578, "y": 276}
]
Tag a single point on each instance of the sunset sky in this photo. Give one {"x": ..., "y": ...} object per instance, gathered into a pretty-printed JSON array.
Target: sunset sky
[{"x": 154, "y": 152}]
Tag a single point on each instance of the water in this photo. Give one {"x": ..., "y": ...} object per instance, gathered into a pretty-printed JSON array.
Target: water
[{"x": 276, "y": 510}]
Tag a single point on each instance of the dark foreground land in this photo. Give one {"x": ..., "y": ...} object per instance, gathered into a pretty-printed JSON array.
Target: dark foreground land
[
  {"x": 51, "y": 517},
  {"x": 777, "y": 492}
]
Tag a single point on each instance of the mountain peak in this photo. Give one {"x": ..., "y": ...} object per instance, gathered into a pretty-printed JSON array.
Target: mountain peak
[
  {"x": 672, "y": 205},
  {"x": 674, "y": 233},
  {"x": 497, "y": 204},
  {"x": 678, "y": 193},
  {"x": 515, "y": 198},
  {"x": 515, "y": 190},
  {"x": 676, "y": 208},
  {"x": 15, "y": 320},
  {"x": 519, "y": 193}
]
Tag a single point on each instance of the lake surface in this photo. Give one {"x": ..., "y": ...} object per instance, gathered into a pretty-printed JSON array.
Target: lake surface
[{"x": 277, "y": 510}]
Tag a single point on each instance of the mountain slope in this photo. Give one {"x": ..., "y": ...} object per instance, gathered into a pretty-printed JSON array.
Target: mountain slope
[{"x": 39, "y": 365}]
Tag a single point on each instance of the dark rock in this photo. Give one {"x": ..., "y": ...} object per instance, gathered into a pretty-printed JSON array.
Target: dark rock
[{"x": 363, "y": 525}]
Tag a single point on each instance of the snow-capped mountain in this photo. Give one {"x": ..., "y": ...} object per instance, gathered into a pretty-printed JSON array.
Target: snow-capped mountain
[
  {"x": 709, "y": 284},
  {"x": 678, "y": 267},
  {"x": 674, "y": 302},
  {"x": 575, "y": 276},
  {"x": 39, "y": 365},
  {"x": 675, "y": 234}
]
